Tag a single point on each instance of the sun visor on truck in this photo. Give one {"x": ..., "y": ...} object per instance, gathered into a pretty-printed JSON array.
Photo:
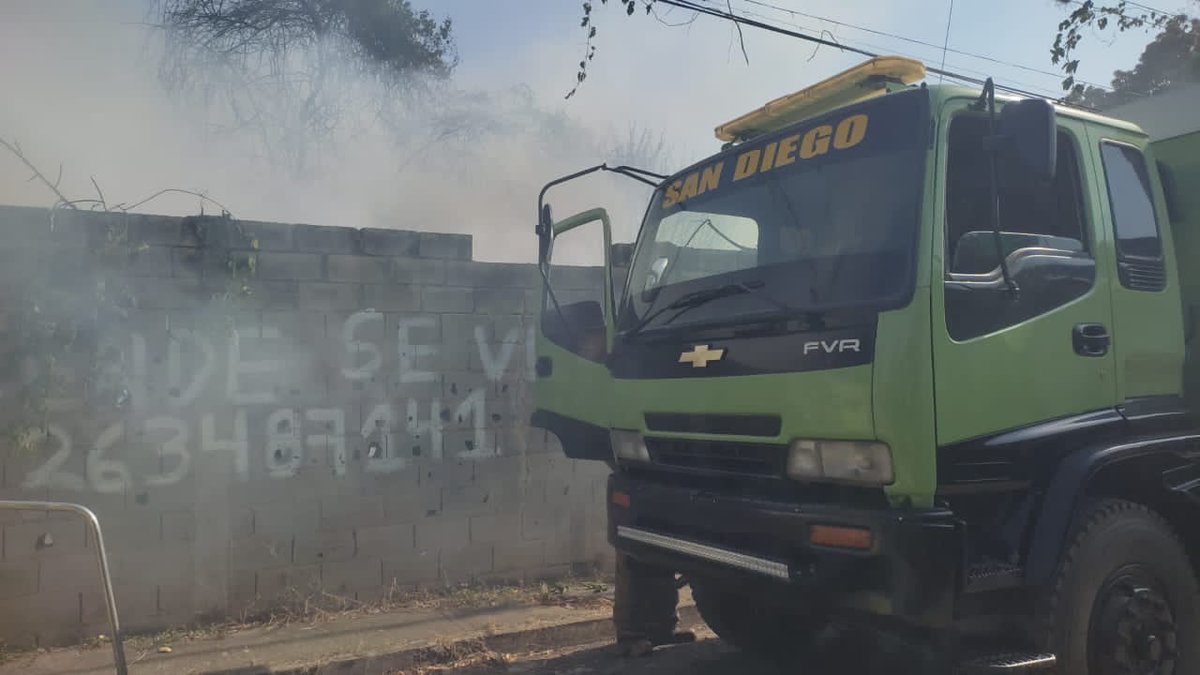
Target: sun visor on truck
[{"x": 864, "y": 81}]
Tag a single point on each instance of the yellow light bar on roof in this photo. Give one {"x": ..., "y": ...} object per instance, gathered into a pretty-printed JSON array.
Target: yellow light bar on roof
[{"x": 860, "y": 83}]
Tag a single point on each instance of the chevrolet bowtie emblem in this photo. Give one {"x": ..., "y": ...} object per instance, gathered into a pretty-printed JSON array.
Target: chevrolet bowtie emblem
[{"x": 701, "y": 355}]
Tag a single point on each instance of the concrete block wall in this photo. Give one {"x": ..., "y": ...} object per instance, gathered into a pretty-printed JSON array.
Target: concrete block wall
[{"x": 297, "y": 410}]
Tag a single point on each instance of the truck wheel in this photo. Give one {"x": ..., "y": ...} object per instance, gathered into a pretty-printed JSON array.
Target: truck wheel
[
  {"x": 1125, "y": 597},
  {"x": 754, "y": 628}
]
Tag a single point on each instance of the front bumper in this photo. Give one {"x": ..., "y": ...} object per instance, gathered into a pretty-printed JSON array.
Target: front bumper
[{"x": 911, "y": 572}]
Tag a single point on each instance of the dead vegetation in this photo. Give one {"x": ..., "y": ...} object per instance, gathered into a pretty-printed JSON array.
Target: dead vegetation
[
  {"x": 9, "y": 652},
  {"x": 451, "y": 656},
  {"x": 311, "y": 607}
]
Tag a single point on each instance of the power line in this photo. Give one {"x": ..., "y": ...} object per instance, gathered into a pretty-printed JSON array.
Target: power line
[
  {"x": 771, "y": 28},
  {"x": 903, "y": 38},
  {"x": 946, "y": 41},
  {"x": 1139, "y": 5},
  {"x": 1148, "y": 8},
  {"x": 1039, "y": 90},
  {"x": 736, "y": 18}
]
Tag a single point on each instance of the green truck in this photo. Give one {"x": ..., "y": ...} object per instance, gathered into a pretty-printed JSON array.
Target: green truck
[{"x": 916, "y": 355}]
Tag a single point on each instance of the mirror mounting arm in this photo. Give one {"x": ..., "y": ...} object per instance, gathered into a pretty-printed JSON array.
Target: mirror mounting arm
[
  {"x": 992, "y": 146},
  {"x": 641, "y": 175}
]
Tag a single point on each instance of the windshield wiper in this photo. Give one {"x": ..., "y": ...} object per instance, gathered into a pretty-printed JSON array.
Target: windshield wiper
[
  {"x": 695, "y": 299},
  {"x": 686, "y": 302}
]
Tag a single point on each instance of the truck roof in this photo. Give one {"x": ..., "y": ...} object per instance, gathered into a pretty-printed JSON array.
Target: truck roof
[
  {"x": 874, "y": 78},
  {"x": 945, "y": 92}
]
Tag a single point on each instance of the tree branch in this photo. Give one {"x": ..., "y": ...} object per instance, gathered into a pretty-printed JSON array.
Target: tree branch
[
  {"x": 16, "y": 151},
  {"x": 99, "y": 192},
  {"x": 741, "y": 37}
]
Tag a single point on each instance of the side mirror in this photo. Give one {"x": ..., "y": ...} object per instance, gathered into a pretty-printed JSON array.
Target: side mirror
[
  {"x": 544, "y": 230},
  {"x": 1030, "y": 136},
  {"x": 579, "y": 328},
  {"x": 622, "y": 255},
  {"x": 550, "y": 231},
  {"x": 582, "y": 218}
]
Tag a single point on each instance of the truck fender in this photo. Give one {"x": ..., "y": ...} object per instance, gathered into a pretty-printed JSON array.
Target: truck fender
[
  {"x": 579, "y": 440},
  {"x": 1064, "y": 493}
]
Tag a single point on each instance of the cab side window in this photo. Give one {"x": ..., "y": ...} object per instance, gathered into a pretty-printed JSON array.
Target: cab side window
[
  {"x": 1043, "y": 235},
  {"x": 1139, "y": 246}
]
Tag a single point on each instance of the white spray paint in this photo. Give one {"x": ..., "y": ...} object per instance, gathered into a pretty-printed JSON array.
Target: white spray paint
[{"x": 291, "y": 435}]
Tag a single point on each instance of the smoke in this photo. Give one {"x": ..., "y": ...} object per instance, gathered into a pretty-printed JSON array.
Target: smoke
[{"x": 82, "y": 92}]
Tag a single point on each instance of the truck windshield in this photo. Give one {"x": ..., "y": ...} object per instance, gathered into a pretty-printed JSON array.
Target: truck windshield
[{"x": 820, "y": 215}]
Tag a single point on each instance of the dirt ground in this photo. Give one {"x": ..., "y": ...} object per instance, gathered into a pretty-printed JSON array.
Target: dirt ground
[
  {"x": 706, "y": 657},
  {"x": 852, "y": 655}
]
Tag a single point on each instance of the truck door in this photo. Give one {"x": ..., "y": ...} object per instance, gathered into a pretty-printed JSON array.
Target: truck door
[
  {"x": 1006, "y": 358},
  {"x": 575, "y": 331},
  {"x": 1147, "y": 324}
]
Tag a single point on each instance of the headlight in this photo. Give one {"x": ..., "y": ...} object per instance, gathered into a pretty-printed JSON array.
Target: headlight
[
  {"x": 629, "y": 445},
  {"x": 865, "y": 462}
]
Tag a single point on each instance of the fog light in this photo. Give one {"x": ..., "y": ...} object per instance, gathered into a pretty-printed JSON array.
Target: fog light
[
  {"x": 833, "y": 536},
  {"x": 866, "y": 462},
  {"x": 629, "y": 445}
]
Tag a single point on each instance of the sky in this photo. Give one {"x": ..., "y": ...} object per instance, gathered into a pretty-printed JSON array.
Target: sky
[
  {"x": 80, "y": 89},
  {"x": 685, "y": 80}
]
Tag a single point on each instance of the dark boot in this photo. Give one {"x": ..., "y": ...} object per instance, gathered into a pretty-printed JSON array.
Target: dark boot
[{"x": 644, "y": 609}]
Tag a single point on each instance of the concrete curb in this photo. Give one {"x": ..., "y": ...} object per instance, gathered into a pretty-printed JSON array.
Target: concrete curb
[{"x": 522, "y": 641}]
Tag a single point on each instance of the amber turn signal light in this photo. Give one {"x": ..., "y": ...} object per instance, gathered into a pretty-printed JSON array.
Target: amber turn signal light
[
  {"x": 832, "y": 536},
  {"x": 620, "y": 499}
]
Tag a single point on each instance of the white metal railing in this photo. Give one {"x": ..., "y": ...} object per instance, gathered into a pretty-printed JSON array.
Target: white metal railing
[{"x": 93, "y": 524}]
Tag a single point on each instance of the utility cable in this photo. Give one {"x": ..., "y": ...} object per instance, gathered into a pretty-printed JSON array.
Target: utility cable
[
  {"x": 903, "y": 38},
  {"x": 1139, "y": 5},
  {"x": 1040, "y": 90},
  {"x": 946, "y": 41},
  {"x": 737, "y": 18}
]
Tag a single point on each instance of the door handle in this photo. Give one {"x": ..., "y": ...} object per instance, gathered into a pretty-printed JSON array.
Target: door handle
[{"x": 1090, "y": 339}]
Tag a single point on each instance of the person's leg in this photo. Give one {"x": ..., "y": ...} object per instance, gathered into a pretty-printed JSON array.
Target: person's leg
[{"x": 644, "y": 607}]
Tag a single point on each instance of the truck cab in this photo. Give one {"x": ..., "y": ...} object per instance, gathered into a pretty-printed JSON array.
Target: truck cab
[{"x": 911, "y": 354}]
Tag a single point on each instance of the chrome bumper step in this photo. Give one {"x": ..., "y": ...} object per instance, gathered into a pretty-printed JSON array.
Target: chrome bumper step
[
  {"x": 742, "y": 561},
  {"x": 1008, "y": 663}
]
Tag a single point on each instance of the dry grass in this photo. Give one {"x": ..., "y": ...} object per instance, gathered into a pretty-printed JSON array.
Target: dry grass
[
  {"x": 451, "y": 656},
  {"x": 316, "y": 606},
  {"x": 9, "y": 652}
]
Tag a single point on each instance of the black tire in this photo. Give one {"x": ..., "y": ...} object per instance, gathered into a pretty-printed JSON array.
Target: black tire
[
  {"x": 1125, "y": 597},
  {"x": 763, "y": 631}
]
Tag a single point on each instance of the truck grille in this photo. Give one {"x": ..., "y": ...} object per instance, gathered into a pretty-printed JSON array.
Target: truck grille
[
  {"x": 734, "y": 425},
  {"x": 756, "y": 459}
]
